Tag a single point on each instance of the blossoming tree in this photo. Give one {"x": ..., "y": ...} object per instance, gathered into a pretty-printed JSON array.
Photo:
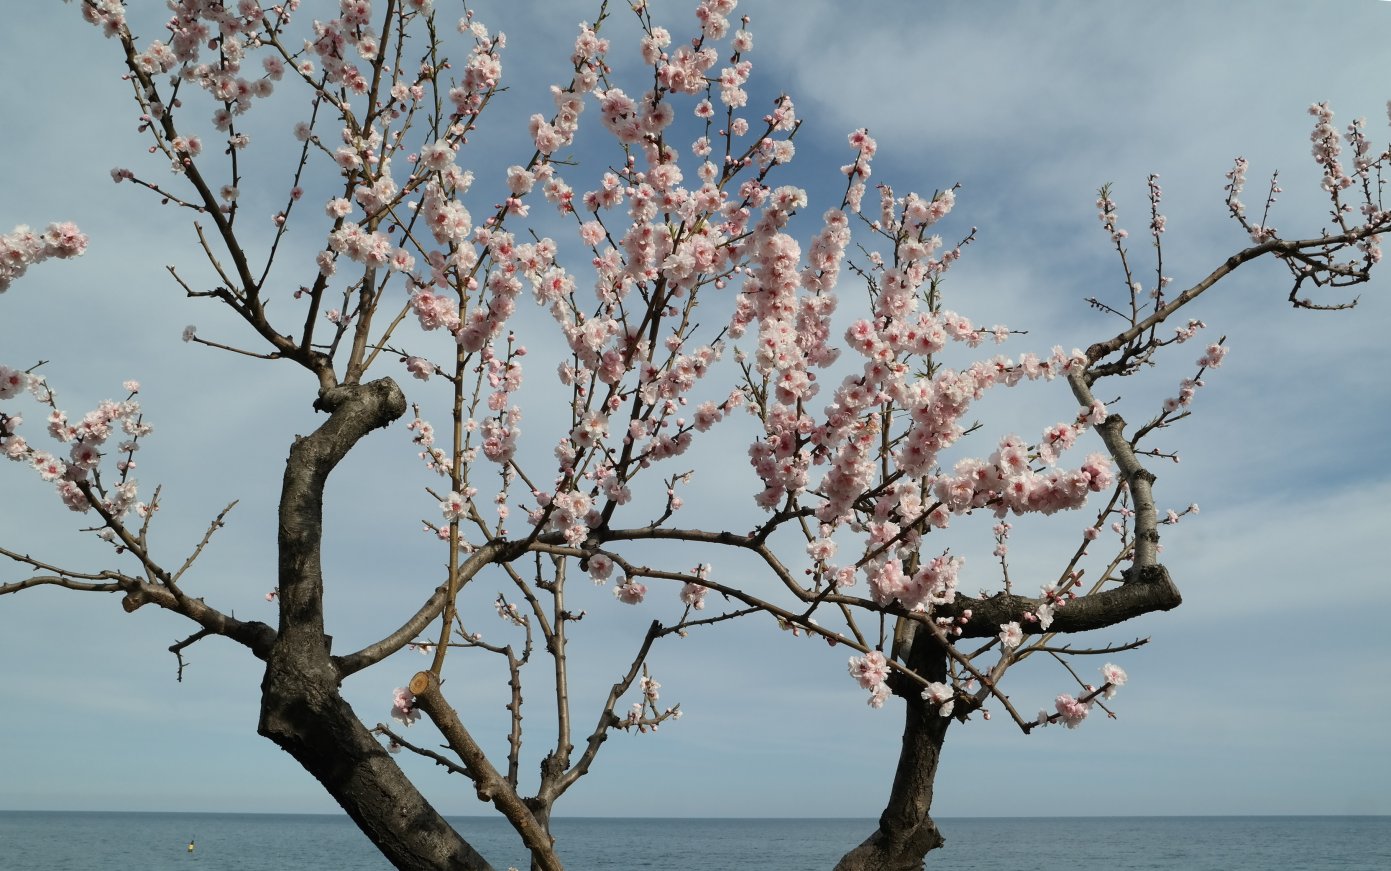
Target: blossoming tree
[{"x": 683, "y": 307}]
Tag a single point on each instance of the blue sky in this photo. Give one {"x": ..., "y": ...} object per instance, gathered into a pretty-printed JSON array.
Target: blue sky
[{"x": 1266, "y": 692}]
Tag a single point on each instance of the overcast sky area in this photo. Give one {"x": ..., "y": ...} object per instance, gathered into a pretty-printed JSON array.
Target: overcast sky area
[{"x": 1267, "y": 692}]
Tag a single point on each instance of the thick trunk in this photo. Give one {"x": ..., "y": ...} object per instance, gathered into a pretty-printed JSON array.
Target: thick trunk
[
  {"x": 906, "y": 832},
  {"x": 302, "y": 710}
]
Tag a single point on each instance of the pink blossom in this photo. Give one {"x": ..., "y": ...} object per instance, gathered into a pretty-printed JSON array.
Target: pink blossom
[
  {"x": 887, "y": 582},
  {"x": 519, "y": 180},
  {"x": 821, "y": 549},
  {"x": 12, "y": 382},
  {"x": 649, "y": 687},
  {"x": 1212, "y": 358},
  {"x": 693, "y": 594},
  {"x": 941, "y": 695},
  {"x": 84, "y": 456},
  {"x": 23, "y": 248},
  {"x": 1097, "y": 469},
  {"x": 600, "y": 567},
  {"x": 50, "y": 468},
  {"x": 454, "y": 507},
  {"x": 1115, "y": 676},
  {"x": 15, "y": 447},
  {"x": 437, "y": 156},
  {"x": 547, "y": 138},
  {"x": 1011, "y": 635},
  {"x": 870, "y": 670},
  {"x": 1071, "y": 712},
  {"x": 403, "y": 708},
  {"x": 1055, "y": 440},
  {"x": 878, "y": 695},
  {"x": 73, "y": 497},
  {"x": 591, "y": 232},
  {"x": 630, "y": 592}
]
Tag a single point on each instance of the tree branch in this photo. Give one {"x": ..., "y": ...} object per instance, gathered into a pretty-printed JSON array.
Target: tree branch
[
  {"x": 1279, "y": 247},
  {"x": 491, "y": 785},
  {"x": 484, "y": 555}
]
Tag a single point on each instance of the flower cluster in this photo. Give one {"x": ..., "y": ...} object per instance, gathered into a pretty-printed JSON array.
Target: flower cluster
[
  {"x": 1106, "y": 207},
  {"x": 871, "y": 671},
  {"x": 558, "y": 132},
  {"x": 630, "y": 592},
  {"x": 22, "y": 248},
  {"x": 76, "y": 476},
  {"x": 693, "y": 593},
  {"x": 932, "y": 584},
  {"x": 1327, "y": 148},
  {"x": 1071, "y": 711}
]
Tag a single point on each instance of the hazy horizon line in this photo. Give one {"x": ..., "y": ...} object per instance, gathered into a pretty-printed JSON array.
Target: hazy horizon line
[{"x": 499, "y": 818}]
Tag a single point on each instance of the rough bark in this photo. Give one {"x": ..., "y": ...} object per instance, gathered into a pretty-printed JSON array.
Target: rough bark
[
  {"x": 906, "y": 831},
  {"x": 304, "y": 714},
  {"x": 302, "y": 710},
  {"x": 1146, "y": 589}
]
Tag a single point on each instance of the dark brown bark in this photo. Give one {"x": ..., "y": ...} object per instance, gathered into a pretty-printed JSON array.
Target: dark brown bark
[
  {"x": 302, "y": 710},
  {"x": 1144, "y": 591},
  {"x": 304, "y": 714},
  {"x": 906, "y": 831}
]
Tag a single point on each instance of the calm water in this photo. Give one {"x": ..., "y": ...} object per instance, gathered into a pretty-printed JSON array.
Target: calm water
[{"x": 43, "y": 841}]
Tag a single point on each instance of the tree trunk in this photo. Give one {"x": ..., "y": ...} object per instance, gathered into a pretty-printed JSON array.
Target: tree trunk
[
  {"x": 302, "y": 710},
  {"x": 906, "y": 832},
  {"x": 541, "y": 810}
]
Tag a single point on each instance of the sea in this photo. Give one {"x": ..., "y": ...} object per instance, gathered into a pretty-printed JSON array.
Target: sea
[{"x": 67, "y": 841}]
